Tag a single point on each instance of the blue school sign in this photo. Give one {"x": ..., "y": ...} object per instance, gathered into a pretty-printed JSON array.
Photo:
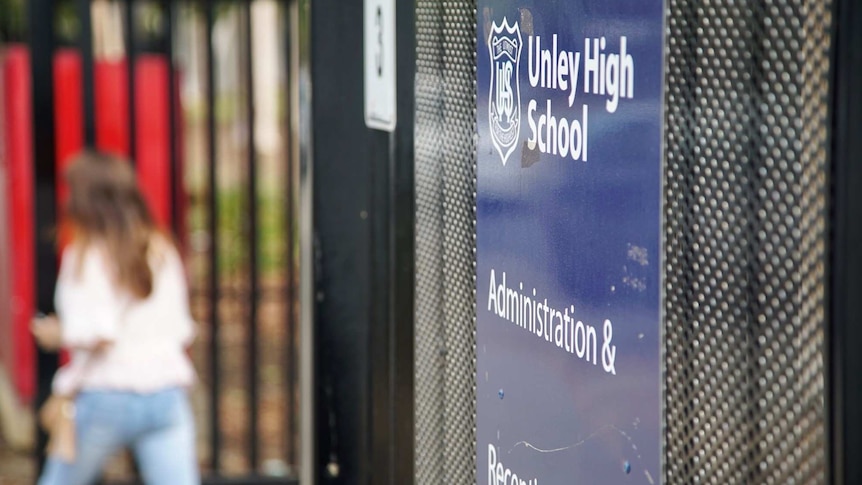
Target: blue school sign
[{"x": 568, "y": 241}]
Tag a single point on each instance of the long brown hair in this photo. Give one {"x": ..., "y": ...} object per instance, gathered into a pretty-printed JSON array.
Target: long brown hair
[{"x": 106, "y": 206}]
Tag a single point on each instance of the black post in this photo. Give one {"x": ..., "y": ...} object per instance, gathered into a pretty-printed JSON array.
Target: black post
[
  {"x": 341, "y": 198},
  {"x": 176, "y": 173},
  {"x": 403, "y": 259},
  {"x": 254, "y": 291},
  {"x": 846, "y": 258},
  {"x": 45, "y": 203},
  {"x": 364, "y": 218},
  {"x": 129, "y": 26},
  {"x": 393, "y": 275},
  {"x": 85, "y": 43},
  {"x": 290, "y": 246},
  {"x": 215, "y": 386}
]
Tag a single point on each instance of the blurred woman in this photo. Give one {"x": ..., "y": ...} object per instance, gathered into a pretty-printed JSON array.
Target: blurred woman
[{"x": 122, "y": 311}]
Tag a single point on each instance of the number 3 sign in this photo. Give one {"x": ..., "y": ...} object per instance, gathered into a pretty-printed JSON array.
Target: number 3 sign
[{"x": 380, "y": 106}]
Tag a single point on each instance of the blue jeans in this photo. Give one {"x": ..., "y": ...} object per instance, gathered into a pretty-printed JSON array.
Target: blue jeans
[{"x": 158, "y": 427}]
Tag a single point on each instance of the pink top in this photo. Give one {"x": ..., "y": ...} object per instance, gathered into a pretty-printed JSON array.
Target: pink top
[{"x": 149, "y": 336}]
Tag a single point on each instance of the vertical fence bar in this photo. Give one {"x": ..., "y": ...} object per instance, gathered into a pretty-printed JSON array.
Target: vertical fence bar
[
  {"x": 254, "y": 292},
  {"x": 40, "y": 17},
  {"x": 403, "y": 258},
  {"x": 845, "y": 307},
  {"x": 129, "y": 27},
  {"x": 215, "y": 438},
  {"x": 86, "y": 46},
  {"x": 176, "y": 174},
  {"x": 304, "y": 153},
  {"x": 290, "y": 250}
]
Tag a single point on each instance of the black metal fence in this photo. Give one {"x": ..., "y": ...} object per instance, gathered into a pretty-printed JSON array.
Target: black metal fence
[
  {"x": 232, "y": 206},
  {"x": 366, "y": 265}
]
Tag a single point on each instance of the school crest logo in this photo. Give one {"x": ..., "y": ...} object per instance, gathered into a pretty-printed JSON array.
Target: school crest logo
[{"x": 504, "y": 99}]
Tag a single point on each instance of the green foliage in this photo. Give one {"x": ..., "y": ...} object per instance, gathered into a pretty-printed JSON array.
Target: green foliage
[
  {"x": 12, "y": 20},
  {"x": 233, "y": 241},
  {"x": 67, "y": 25}
]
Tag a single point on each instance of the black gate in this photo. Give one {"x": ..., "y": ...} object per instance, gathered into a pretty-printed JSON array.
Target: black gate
[{"x": 230, "y": 195}]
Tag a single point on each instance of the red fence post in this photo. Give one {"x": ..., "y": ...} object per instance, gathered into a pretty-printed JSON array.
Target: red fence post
[
  {"x": 68, "y": 112},
  {"x": 17, "y": 133},
  {"x": 153, "y": 135},
  {"x": 112, "y": 107}
]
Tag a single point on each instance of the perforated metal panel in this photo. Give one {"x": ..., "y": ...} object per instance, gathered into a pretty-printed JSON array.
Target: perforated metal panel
[
  {"x": 445, "y": 241},
  {"x": 745, "y": 237},
  {"x": 745, "y": 188}
]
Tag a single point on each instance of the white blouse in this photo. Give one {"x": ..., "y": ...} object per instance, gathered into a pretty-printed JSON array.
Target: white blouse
[{"x": 148, "y": 337}]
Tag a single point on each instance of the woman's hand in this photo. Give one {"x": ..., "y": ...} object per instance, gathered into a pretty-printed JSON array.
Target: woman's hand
[{"x": 47, "y": 332}]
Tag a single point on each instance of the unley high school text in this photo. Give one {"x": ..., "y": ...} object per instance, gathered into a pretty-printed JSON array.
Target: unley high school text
[{"x": 604, "y": 74}]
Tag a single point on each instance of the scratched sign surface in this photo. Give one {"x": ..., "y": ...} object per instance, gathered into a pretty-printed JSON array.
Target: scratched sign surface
[{"x": 568, "y": 241}]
